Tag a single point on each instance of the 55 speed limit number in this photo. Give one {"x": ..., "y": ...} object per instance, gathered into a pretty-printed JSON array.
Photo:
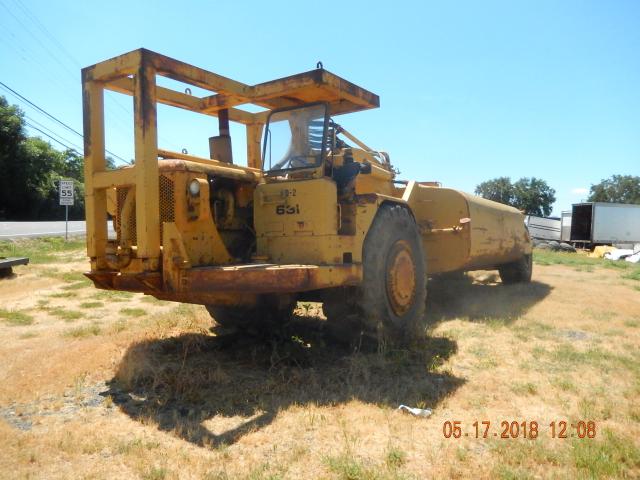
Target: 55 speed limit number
[{"x": 514, "y": 429}]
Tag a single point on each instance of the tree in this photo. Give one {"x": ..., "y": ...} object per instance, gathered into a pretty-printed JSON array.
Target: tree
[
  {"x": 499, "y": 190},
  {"x": 30, "y": 169},
  {"x": 617, "y": 189},
  {"x": 531, "y": 195},
  {"x": 11, "y": 137}
]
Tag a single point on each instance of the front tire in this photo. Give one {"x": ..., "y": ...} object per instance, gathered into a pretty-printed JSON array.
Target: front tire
[
  {"x": 391, "y": 300},
  {"x": 394, "y": 287}
]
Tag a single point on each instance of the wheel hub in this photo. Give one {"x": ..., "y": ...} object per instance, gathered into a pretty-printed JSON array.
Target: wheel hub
[{"x": 401, "y": 277}]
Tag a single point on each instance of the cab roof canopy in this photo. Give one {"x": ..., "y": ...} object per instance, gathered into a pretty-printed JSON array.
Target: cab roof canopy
[{"x": 317, "y": 85}]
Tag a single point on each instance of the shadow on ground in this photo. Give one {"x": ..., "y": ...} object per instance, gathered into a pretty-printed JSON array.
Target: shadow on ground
[
  {"x": 179, "y": 383},
  {"x": 481, "y": 298},
  {"x": 182, "y": 382}
]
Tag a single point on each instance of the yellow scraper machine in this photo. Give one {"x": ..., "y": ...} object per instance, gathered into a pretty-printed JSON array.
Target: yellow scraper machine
[{"x": 315, "y": 215}]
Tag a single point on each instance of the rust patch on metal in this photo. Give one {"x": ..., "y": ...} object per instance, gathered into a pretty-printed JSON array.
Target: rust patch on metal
[{"x": 269, "y": 278}]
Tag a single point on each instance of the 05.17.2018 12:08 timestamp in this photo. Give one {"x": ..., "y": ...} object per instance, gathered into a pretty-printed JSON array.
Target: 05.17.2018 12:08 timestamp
[{"x": 514, "y": 429}]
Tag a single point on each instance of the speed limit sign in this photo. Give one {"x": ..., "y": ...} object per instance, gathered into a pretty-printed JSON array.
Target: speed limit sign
[{"x": 66, "y": 192}]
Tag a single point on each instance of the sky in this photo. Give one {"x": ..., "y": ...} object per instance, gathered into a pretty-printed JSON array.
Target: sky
[{"x": 469, "y": 90}]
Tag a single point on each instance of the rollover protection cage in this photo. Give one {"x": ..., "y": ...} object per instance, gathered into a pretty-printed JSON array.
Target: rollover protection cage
[{"x": 134, "y": 73}]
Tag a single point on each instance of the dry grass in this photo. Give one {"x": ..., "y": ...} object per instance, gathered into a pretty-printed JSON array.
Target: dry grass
[{"x": 145, "y": 389}]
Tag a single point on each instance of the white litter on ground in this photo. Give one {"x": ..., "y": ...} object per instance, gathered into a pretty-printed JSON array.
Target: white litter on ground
[
  {"x": 618, "y": 254},
  {"x": 418, "y": 412}
]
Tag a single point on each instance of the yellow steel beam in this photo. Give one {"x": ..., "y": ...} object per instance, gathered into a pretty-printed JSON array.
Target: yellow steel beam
[
  {"x": 114, "y": 178},
  {"x": 254, "y": 152},
  {"x": 183, "y": 72},
  {"x": 115, "y": 67},
  {"x": 178, "y": 99},
  {"x": 94, "y": 145},
  {"x": 146, "y": 167},
  {"x": 350, "y": 91}
]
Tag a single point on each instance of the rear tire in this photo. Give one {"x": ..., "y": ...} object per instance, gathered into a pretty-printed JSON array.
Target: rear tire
[{"x": 517, "y": 272}]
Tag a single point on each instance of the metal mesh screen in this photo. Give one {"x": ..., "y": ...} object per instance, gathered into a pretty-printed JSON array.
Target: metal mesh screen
[{"x": 167, "y": 208}]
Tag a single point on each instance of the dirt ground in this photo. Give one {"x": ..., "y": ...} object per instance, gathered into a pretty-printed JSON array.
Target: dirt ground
[{"x": 98, "y": 384}]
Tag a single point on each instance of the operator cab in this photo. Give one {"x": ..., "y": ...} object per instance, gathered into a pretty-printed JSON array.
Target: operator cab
[
  {"x": 302, "y": 142},
  {"x": 295, "y": 138}
]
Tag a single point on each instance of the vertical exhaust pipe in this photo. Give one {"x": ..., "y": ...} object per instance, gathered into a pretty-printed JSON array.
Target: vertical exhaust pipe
[{"x": 220, "y": 146}]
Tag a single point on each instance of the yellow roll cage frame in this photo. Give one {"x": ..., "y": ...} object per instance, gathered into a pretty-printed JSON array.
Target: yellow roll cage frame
[{"x": 134, "y": 74}]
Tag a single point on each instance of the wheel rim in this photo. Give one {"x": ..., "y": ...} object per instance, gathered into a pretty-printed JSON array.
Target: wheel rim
[{"x": 401, "y": 277}]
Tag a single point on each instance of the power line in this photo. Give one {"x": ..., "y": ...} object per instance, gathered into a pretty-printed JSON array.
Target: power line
[
  {"x": 54, "y": 139},
  {"x": 52, "y": 132},
  {"x": 55, "y": 119},
  {"x": 30, "y": 16},
  {"x": 40, "y": 109}
]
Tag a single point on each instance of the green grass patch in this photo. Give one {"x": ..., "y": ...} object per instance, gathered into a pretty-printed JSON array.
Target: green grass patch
[
  {"x": 518, "y": 459},
  {"x": 153, "y": 300},
  {"x": 547, "y": 257},
  {"x": 84, "y": 331},
  {"x": 133, "y": 312},
  {"x": 41, "y": 250},
  {"x": 633, "y": 274},
  {"x": 66, "y": 294},
  {"x": 74, "y": 277},
  {"x": 91, "y": 305},
  {"x": 564, "y": 384},
  {"x": 15, "y": 318},
  {"x": 522, "y": 389},
  {"x": 76, "y": 286},
  {"x": 113, "y": 296},
  {"x": 395, "y": 458},
  {"x": 505, "y": 472},
  {"x": 66, "y": 315},
  {"x": 347, "y": 467},
  {"x": 135, "y": 446},
  {"x": 567, "y": 355},
  {"x": 617, "y": 264},
  {"x": 610, "y": 457},
  {"x": 527, "y": 330},
  {"x": 583, "y": 263},
  {"x": 75, "y": 280}
]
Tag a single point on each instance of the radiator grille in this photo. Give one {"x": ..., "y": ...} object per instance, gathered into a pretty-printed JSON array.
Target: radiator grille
[
  {"x": 167, "y": 201},
  {"x": 167, "y": 209},
  {"x": 121, "y": 197}
]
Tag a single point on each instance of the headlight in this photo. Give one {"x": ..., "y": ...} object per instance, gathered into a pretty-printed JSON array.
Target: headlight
[{"x": 194, "y": 188}]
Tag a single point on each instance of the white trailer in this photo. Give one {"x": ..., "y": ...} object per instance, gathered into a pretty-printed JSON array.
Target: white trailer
[
  {"x": 543, "y": 228},
  {"x": 565, "y": 226},
  {"x": 605, "y": 223}
]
